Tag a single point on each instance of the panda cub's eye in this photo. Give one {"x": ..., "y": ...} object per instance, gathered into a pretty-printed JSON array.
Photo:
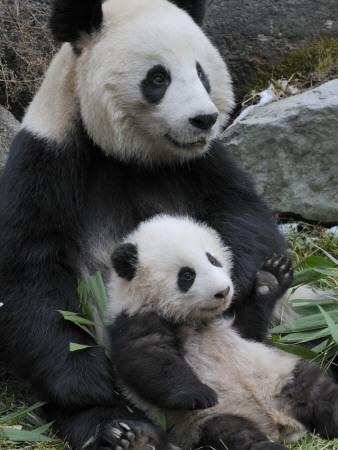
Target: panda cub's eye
[
  {"x": 213, "y": 260},
  {"x": 158, "y": 79},
  {"x": 185, "y": 279}
]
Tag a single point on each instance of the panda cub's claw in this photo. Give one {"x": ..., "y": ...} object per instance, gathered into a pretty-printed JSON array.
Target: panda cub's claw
[
  {"x": 131, "y": 435},
  {"x": 275, "y": 276}
]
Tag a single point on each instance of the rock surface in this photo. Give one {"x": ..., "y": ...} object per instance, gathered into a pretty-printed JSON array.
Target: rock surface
[
  {"x": 290, "y": 147},
  {"x": 253, "y": 34},
  {"x": 8, "y": 128}
]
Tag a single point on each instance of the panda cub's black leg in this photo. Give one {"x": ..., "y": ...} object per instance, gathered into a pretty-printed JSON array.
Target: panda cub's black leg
[
  {"x": 313, "y": 399},
  {"x": 235, "y": 433},
  {"x": 272, "y": 281}
]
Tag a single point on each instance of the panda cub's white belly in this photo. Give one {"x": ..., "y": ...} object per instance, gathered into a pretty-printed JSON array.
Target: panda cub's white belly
[{"x": 247, "y": 376}]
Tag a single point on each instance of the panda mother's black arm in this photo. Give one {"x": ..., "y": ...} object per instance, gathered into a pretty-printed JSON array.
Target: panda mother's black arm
[
  {"x": 147, "y": 355},
  {"x": 232, "y": 207}
]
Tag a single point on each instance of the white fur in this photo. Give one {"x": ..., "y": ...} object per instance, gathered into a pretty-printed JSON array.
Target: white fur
[
  {"x": 164, "y": 245},
  {"x": 102, "y": 85},
  {"x": 247, "y": 376}
]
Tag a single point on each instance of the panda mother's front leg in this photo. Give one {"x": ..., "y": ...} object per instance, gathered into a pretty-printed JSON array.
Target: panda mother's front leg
[{"x": 272, "y": 281}]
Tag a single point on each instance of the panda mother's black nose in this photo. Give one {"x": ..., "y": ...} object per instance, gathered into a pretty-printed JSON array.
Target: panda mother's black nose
[{"x": 204, "y": 121}]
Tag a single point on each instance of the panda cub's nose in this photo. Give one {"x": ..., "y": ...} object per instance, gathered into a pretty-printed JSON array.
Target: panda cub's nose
[
  {"x": 222, "y": 294},
  {"x": 204, "y": 121}
]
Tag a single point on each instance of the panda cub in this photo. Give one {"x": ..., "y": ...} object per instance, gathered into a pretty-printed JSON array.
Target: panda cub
[{"x": 174, "y": 350}]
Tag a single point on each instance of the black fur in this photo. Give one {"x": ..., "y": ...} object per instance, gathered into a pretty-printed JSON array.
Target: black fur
[
  {"x": 148, "y": 356},
  {"x": 124, "y": 260},
  {"x": 70, "y": 18},
  {"x": 196, "y": 8},
  {"x": 234, "y": 433},
  {"x": 56, "y": 205}
]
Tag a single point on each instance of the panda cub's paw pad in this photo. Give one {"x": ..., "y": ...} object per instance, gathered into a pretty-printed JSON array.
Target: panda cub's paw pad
[
  {"x": 280, "y": 266},
  {"x": 275, "y": 276}
]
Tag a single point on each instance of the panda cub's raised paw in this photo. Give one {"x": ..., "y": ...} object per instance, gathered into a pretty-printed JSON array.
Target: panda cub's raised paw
[
  {"x": 275, "y": 276},
  {"x": 134, "y": 435}
]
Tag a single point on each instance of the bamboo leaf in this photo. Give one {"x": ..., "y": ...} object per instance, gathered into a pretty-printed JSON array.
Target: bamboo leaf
[
  {"x": 328, "y": 272},
  {"x": 320, "y": 347},
  {"x": 306, "y": 276},
  {"x": 315, "y": 262},
  {"x": 294, "y": 350},
  {"x": 22, "y": 412},
  {"x": 161, "y": 417},
  {"x": 99, "y": 294},
  {"x": 24, "y": 436},
  {"x": 43, "y": 428},
  {"x": 73, "y": 317},
  {"x": 73, "y": 347},
  {"x": 315, "y": 321},
  {"x": 332, "y": 326},
  {"x": 305, "y": 336},
  {"x": 334, "y": 260}
]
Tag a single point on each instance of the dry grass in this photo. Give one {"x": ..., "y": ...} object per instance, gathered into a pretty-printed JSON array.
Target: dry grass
[{"x": 26, "y": 48}]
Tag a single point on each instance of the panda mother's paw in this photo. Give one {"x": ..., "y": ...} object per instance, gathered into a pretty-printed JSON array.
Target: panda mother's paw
[
  {"x": 275, "y": 276},
  {"x": 132, "y": 435}
]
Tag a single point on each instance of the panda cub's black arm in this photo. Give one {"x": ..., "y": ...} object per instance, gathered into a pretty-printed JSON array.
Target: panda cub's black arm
[{"x": 148, "y": 358}]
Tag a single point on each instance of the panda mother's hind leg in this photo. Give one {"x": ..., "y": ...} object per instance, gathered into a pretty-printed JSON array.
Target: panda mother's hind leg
[{"x": 234, "y": 433}]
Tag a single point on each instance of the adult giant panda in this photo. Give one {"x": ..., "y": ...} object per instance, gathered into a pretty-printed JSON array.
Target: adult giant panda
[
  {"x": 123, "y": 127},
  {"x": 170, "y": 343}
]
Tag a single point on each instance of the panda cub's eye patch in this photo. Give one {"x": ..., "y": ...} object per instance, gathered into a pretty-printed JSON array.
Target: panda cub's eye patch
[
  {"x": 155, "y": 84},
  {"x": 213, "y": 260},
  {"x": 185, "y": 278},
  {"x": 203, "y": 77}
]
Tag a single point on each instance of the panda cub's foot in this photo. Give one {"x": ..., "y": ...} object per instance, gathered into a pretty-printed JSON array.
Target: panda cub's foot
[
  {"x": 132, "y": 435},
  {"x": 275, "y": 277}
]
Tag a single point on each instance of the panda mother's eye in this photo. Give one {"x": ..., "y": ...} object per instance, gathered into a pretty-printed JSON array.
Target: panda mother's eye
[
  {"x": 185, "y": 278},
  {"x": 155, "y": 84}
]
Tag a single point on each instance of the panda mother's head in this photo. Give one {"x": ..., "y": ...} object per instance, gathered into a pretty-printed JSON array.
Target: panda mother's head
[
  {"x": 175, "y": 267},
  {"x": 150, "y": 85}
]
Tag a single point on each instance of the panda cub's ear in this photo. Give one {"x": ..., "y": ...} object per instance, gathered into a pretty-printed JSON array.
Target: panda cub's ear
[
  {"x": 125, "y": 260},
  {"x": 72, "y": 18}
]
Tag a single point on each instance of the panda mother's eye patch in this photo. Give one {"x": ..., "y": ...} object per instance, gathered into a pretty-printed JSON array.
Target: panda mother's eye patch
[
  {"x": 185, "y": 278},
  {"x": 203, "y": 77},
  {"x": 155, "y": 84}
]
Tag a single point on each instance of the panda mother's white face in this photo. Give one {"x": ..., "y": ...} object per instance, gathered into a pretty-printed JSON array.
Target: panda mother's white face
[
  {"x": 175, "y": 267},
  {"x": 151, "y": 86}
]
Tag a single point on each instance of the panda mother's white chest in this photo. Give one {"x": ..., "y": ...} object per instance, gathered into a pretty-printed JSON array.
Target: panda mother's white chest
[{"x": 248, "y": 376}]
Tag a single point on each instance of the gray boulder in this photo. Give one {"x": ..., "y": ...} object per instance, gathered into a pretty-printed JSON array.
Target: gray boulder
[
  {"x": 253, "y": 34},
  {"x": 290, "y": 147},
  {"x": 8, "y": 128}
]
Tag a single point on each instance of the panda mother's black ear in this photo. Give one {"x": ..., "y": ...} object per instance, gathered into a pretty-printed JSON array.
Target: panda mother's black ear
[
  {"x": 72, "y": 18},
  {"x": 195, "y": 8},
  {"x": 125, "y": 260}
]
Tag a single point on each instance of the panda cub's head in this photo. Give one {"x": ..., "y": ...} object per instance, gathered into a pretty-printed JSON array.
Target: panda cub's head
[{"x": 175, "y": 267}]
